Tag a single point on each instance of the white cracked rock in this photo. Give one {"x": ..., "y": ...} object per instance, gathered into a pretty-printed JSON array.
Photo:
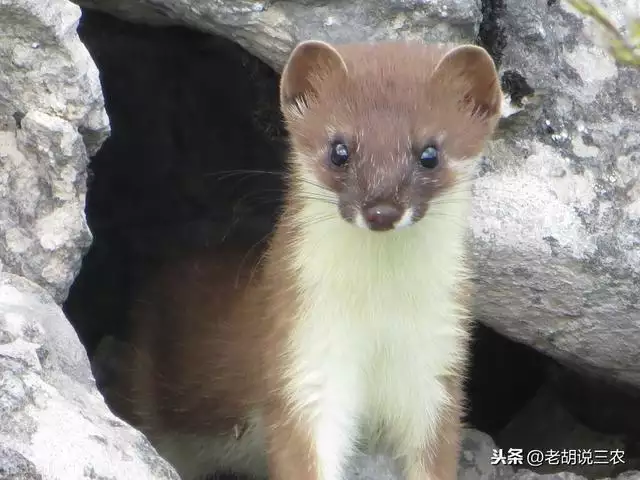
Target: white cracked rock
[
  {"x": 51, "y": 118},
  {"x": 53, "y": 421},
  {"x": 46, "y": 67},
  {"x": 43, "y": 180}
]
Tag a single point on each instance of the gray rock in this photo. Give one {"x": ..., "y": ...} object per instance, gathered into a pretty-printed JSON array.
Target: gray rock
[
  {"x": 270, "y": 29},
  {"x": 44, "y": 66},
  {"x": 634, "y": 475},
  {"x": 51, "y": 116},
  {"x": 14, "y": 466},
  {"x": 475, "y": 462},
  {"x": 53, "y": 422},
  {"x": 372, "y": 467},
  {"x": 476, "y": 459},
  {"x": 525, "y": 474},
  {"x": 556, "y": 225},
  {"x": 43, "y": 180}
]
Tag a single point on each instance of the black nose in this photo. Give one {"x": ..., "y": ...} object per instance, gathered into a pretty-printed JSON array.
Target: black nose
[{"x": 382, "y": 216}]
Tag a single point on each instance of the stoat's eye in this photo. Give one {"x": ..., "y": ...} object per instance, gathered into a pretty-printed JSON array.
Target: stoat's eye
[
  {"x": 429, "y": 157},
  {"x": 339, "y": 154}
]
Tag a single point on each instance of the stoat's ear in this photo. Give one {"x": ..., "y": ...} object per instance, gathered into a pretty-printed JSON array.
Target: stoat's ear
[
  {"x": 469, "y": 74},
  {"x": 309, "y": 63}
]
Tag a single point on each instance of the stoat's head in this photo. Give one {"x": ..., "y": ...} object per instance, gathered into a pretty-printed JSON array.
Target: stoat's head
[{"x": 383, "y": 131}]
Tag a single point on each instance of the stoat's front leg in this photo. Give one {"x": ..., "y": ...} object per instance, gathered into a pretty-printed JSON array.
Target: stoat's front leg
[
  {"x": 312, "y": 436},
  {"x": 438, "y": 460}
]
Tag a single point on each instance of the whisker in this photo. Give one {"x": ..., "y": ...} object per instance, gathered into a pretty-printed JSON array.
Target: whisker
[
  {"x": 226, "y": 174},
  {"x": 305, "y": 223},
  {"x": 263, "y": 197},
  {"x": 258, "y": 263},
  {"x": 246, "y": 256},
  {"x": 259, "y": 197},
  {"x": 328, "y": 201}
]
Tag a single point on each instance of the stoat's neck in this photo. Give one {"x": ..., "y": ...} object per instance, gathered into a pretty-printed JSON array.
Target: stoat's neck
[{"x": 427, "y": 255}]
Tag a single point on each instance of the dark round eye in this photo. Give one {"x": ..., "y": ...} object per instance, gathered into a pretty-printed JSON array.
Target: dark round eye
[
  {"x": 339, "y": 154},
  {"x": 429, "y": 157}
]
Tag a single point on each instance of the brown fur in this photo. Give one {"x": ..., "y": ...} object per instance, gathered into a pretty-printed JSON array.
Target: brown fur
[
  {"x": 195, "y": 368},
  {"x": 209, "y": 332},
  {"x": 387, "y": 91}
]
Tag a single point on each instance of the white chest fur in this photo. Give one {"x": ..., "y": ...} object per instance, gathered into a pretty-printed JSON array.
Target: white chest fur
[{"x": 378, "y": 327}]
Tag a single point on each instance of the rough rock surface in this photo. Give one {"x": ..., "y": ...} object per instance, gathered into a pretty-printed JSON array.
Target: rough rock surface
[
  {"x": 525, "y": 474},
  {"x": 51, "y": 117},
  {"x": 271, "y": 29},
  {"x": 557, "y": 225},
  {"x": 557, "y": 221},
  {"x": 53, "y": 422},
  {"x": 475, "y": 462}
]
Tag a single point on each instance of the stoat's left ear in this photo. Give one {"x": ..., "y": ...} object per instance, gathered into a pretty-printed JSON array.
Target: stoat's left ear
[
  {"x": 310, "y": 63},
  {"x": 469, "y": 73}
]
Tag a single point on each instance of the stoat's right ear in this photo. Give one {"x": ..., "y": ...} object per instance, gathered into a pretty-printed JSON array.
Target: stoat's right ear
[
  {"x": 468, "y": 74},
  {"x": 309, "y": 63}
]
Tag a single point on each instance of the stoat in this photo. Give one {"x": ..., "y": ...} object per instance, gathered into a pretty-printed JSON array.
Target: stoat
[{"x": 352, "y": 331}]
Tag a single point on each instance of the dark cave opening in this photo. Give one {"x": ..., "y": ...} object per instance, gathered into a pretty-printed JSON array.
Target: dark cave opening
[{"x": 187, "y": 111}]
